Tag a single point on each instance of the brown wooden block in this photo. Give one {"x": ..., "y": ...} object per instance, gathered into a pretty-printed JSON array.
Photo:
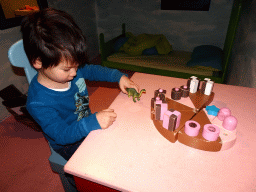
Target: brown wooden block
[
  {"x": 186, "y": 113},
  {"x": 198, "y": 142},
  {"x": 172, "y": 122},
  {"x": 158, "y": 112},
  {"x": 201, "y": 100}
]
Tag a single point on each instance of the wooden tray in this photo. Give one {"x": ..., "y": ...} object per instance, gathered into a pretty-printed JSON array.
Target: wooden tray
[{"x": 197, "y": 114}]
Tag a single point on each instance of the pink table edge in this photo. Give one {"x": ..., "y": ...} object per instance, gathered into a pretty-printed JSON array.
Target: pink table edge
[{"x": 138, "y": 158}]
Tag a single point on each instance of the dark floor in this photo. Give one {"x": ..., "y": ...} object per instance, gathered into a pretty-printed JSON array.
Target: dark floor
[{"x": 24, "y": 160}]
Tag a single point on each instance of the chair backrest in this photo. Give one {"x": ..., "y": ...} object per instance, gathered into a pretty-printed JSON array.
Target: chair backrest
[{"x": 18, "y": 58}]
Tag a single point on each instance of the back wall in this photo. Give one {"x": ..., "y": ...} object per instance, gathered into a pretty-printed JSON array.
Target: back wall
[{"x": 184, "y": 29}]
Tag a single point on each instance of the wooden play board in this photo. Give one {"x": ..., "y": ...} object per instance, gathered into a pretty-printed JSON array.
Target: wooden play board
[{"x": 226, "y": 138}]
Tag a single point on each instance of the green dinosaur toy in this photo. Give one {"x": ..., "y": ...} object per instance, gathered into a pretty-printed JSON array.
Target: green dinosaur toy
[{"x": 132, "y": 92}]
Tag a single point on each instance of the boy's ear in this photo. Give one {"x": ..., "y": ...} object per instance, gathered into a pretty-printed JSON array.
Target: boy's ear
[{"x": 37, "y": 64}]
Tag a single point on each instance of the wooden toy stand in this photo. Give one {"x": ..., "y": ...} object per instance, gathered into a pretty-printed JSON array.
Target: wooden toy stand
[{"x": 197, "y": 114}]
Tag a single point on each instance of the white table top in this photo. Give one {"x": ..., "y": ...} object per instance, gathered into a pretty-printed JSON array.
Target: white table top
[{"x": 132, "y": 155}]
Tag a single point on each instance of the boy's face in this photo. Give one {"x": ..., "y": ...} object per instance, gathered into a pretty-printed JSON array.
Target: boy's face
[{"x": 57, "y": 75}]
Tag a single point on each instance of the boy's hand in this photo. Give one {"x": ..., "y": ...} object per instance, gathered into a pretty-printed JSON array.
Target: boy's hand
[
  {"x": 106, "y": 118},
  {"x": 125, "y": 82}
]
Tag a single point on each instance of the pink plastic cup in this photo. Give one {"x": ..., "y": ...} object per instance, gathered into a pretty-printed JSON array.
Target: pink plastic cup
[
  {"x": 211, "y": 132},
  {"x": 192, "y": 128}
]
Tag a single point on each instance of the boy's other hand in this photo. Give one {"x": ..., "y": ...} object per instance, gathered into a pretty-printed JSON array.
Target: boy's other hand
[
  {"x": 125, "y": 82},
  {"x": 106, "y": 118}
]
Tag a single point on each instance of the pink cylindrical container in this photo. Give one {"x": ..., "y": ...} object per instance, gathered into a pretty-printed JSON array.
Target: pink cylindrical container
[
  {"x": 223, "y": 112},
  {"x": 229, "y": 123},
  {"x": 211, "y": 132},
  {"x": 192, "y": 128}
]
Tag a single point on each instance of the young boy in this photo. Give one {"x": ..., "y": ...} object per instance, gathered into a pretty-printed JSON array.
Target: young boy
[{"x": 57, "y": 97}]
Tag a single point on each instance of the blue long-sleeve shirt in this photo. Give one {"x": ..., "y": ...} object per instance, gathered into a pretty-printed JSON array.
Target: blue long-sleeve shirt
[{"x": 64, "y": 116}]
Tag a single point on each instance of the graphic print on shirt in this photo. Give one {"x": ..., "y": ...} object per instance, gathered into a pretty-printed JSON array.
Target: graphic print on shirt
[{"x": 82, "y": 100}]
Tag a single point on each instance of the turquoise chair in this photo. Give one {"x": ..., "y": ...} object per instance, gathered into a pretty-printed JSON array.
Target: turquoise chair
[{"x": 18, "y": 58}]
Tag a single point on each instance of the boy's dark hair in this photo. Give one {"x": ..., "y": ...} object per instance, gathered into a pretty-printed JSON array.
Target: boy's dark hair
[{"x": 51, "y": 35}]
